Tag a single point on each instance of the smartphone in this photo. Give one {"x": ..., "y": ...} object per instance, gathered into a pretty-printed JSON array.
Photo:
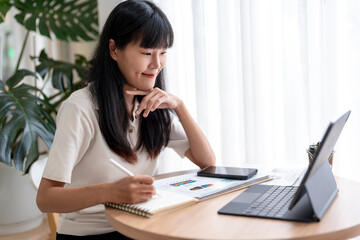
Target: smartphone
[{"x": 227, "y": 172}]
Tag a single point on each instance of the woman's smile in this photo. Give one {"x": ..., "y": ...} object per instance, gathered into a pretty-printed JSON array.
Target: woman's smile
[{"x": 149, "y": 75}]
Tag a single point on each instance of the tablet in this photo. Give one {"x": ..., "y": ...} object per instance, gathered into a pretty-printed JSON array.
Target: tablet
[{"x": 227, "y": 172}]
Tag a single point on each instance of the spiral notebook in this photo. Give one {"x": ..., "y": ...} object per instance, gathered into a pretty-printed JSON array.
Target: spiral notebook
[{"x": 163, "y": 202}]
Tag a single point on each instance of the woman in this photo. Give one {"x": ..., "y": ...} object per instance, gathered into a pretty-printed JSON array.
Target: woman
[{"x": 123, "y": 114}]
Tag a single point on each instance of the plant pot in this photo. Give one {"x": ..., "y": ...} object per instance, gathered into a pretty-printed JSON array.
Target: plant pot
[
  {"x": 331, "y": 157},
  {"x": 18, "y": 210}
]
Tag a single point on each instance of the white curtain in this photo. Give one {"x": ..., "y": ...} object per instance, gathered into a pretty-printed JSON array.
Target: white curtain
[{"x": 263, "y": 78}]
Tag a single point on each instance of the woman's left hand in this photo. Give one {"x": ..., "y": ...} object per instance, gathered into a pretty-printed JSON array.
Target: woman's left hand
[
  {"x": 155, "y": 98},
  {"x": 200, "y": 151}
]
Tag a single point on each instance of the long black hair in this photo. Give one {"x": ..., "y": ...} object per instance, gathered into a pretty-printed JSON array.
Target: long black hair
[{"x": 130, "y": 21}]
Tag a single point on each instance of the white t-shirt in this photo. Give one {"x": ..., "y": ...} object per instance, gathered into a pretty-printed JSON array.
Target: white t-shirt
[{"x": 79, "y": 156}]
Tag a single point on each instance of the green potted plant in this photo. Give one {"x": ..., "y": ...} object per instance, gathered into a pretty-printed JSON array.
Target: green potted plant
[
  {"x": 27, "y": 113},
  {"x": 312, "y": 150}
]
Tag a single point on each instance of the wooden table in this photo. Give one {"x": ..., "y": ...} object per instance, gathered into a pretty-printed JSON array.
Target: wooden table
[{"x": 201, "y": 221}]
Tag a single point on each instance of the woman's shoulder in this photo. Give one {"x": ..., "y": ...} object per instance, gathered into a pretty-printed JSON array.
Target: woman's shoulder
[{"x": 81, "y": 99}]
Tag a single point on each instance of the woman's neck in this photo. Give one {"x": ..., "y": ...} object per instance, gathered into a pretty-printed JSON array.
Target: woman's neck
[{"x": 129, "y": 99}]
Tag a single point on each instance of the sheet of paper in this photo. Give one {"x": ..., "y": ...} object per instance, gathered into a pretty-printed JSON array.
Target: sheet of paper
[
  {"x": 199, "y": 187},
  {"x": 286, "y": 176}
]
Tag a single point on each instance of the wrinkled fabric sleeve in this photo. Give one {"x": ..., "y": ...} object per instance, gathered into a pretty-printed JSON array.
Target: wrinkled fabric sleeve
[{"x": 72, "y": 138}]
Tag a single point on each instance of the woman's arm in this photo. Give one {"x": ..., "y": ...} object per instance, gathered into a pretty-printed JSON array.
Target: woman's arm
[
  {"x": 53, "y": 197},
  {"x": 200, "y": 151}
]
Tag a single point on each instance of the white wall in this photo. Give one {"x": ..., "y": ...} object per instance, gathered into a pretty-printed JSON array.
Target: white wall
[{"x": 104, "y": 9}]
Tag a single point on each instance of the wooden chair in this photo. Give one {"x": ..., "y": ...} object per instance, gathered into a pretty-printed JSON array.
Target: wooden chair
[{"x": 53, "y": 221}]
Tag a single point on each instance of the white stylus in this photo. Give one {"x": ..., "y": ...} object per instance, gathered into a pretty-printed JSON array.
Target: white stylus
[
  {"x": 127, "y": 172},
  {"x": 124, "y": 169}
]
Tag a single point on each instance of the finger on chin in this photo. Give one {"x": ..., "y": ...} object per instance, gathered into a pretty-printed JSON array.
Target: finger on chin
[{"x": 136, "y": 92}]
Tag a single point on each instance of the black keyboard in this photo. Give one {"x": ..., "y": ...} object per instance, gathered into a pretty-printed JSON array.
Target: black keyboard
[{"x": 273, "y": 203}]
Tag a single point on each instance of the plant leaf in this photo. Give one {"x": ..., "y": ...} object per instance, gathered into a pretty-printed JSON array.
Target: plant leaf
[
  {"x": 73, "y": 20},
  {"x": 18, "y": 76},
  {"x": 30, "y": 23},
  {"x": 61, "y": 72},
  {"x": 4, "y": 8},
  {"x": 43, "y": 27},
  {"x": 24, "y": 118},
  {"x": 20, "y": 18}
]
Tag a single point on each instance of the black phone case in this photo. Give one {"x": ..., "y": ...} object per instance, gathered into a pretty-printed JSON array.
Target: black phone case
[{"x": 238, "y": 177}]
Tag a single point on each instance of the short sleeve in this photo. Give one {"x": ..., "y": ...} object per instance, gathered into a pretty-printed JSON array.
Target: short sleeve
[
  {"x": 178, "y": 140},
  {"x": 72, "y": 138}
]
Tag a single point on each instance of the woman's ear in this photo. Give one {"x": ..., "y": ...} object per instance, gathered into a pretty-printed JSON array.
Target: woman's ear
[{"x": 112, "y": 49}]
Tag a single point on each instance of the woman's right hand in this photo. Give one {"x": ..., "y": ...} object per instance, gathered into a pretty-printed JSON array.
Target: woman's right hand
[
  {"x": 52, "y": 196},
  {"x": 132, "y": 189}
]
